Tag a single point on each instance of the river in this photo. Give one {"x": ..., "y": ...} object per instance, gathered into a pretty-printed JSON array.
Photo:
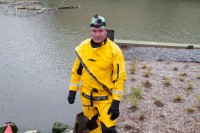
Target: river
[{"x": 37, "y": 51}]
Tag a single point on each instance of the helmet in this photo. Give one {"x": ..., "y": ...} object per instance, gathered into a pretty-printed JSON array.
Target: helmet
[{"x": 98, "y": 21}]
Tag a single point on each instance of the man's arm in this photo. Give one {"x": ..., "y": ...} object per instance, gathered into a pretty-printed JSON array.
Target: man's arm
[
  {"x": 74, "y": 82},
  {"x": 119, "y": 75},
  {"x": 75, "y": 75}
]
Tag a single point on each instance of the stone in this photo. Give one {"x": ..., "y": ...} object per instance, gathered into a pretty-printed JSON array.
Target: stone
[
  {"x": 33, "y": 131},
  {"x": 60, "y": 128}
]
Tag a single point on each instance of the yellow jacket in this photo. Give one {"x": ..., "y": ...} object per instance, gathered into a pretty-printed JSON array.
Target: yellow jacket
[{"x": 106, "y": 63}]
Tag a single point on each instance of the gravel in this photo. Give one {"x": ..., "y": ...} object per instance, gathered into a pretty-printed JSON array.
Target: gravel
[
  {"x": 182, "y": 67},
  {"x": 162, "y": 54}
]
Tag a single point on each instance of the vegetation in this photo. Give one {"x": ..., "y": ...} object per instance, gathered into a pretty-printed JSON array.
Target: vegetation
[
  {"x": 175, "y": 68},
  {"x": 167, "y": 81},
  {"x": 190, "y": 86},
  {"x": 137, "y": 92},
  {"x": 198, "y": 104},
  {"x": 144, "y": 66},
  {"x": 26, "y": 8},
  {"x": 181, "y": 78},
  {"x": 198, "y": 99},
  {"x": 135, "y": 102},
  {"x": 148, "y": 72},
  {"x": 190, "y": 110},
  {"x": 183, "y": 74},
  {"x": 142, "y": 116},
  {"x": 135, "y": 96},
  {"x": 178, "y": 98},
  {"x": 133, "y": 78},
  {"x": 133, "y": 68}
]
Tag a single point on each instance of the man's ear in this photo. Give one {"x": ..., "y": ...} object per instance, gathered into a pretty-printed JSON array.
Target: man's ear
[{"x": 106, "y": 31}]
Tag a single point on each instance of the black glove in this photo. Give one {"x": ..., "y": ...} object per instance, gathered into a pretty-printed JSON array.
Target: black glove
[
  {"x": 114, "y": 109},
  {"x": 71, "y": 97}
]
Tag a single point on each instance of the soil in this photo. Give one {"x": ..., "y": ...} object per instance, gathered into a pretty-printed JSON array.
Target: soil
[{"x": 170, "y": 95}]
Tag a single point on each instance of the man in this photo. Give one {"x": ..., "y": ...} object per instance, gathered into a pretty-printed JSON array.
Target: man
[{"x": 101, "y": 68}]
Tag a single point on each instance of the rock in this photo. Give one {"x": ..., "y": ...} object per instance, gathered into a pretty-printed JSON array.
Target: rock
[
  {"x": 60, "y": 128},
  {"x": 68, "y": 130},
  {"x": 71, "y": 131},
  {"x": 33, "y": 131}
]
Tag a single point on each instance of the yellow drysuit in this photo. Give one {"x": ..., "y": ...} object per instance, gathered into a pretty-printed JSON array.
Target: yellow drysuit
[{"x": 107, "y": 64}]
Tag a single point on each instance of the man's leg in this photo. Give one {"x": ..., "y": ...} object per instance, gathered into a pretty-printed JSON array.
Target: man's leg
[
  {"x": 92, "y": 115},
  {"x": 107, "y": 125},
  {"x": 108, "y": 130},
  {"x": 98, "y": 129}
]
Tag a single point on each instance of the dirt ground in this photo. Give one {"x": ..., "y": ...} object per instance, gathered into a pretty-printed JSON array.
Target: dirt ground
[{"x": 160, "y": 97}]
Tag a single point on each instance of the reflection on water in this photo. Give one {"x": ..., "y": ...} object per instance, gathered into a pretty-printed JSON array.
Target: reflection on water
[{"x": 37, "y": 51}]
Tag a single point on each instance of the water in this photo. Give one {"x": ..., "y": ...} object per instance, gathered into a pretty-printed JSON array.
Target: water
[{"x": 37, "y": 51}]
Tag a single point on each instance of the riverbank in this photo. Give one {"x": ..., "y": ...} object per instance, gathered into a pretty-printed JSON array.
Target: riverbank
[{"x": 162, "y": 91}]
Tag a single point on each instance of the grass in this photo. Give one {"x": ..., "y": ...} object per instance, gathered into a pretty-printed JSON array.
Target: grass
[
  {"x": 175, "y": 68},
  {"x": 142, "y": 116},
  {"x": 133, "y": 68},
  {"x": 133, "y": 78},
  {"x": 178, "y": 98},
  {"x": 137, "y": 92},
  {"x": 183, "y": 74},
  {"x": 187, "y": 92},
  {"x": 135, "y": 96},
  {"x": 144, "y": 66},
  {"x": 198, "y": 100},
  {"x": 167, "y": 81},
  {"x": 181, "y": 78},
  {"x": 190, "y": 86},
  {"x": 148, "y": 72},
  {"x": 149, "y": 69},
  {"x": 190, "y": 110},
  {"x": 135, "y": 102},
  {"x": 198, "y": 76}
]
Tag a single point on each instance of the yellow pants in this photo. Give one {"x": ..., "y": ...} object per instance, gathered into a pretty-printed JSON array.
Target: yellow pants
[{"x": 100, "y": 108}]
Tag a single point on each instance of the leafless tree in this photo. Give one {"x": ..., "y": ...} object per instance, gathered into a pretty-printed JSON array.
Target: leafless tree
[{"x": 25, "y": 8}]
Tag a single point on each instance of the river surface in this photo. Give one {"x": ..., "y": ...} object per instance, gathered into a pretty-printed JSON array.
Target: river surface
[{"x": 37, "y": 51}]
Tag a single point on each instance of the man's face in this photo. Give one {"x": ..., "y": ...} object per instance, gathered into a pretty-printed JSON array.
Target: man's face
[{"x": 98, "y": 34}]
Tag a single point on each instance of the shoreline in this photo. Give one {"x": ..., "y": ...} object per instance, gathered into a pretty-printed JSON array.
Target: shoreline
[
  {"x": 133, "y": 43},
  {"x": 182, "y": 67}
]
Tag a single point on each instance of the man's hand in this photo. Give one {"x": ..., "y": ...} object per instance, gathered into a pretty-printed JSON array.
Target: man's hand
[
  {"x": 114, "y": 109},
  {"x": 71, "y": 97}
]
